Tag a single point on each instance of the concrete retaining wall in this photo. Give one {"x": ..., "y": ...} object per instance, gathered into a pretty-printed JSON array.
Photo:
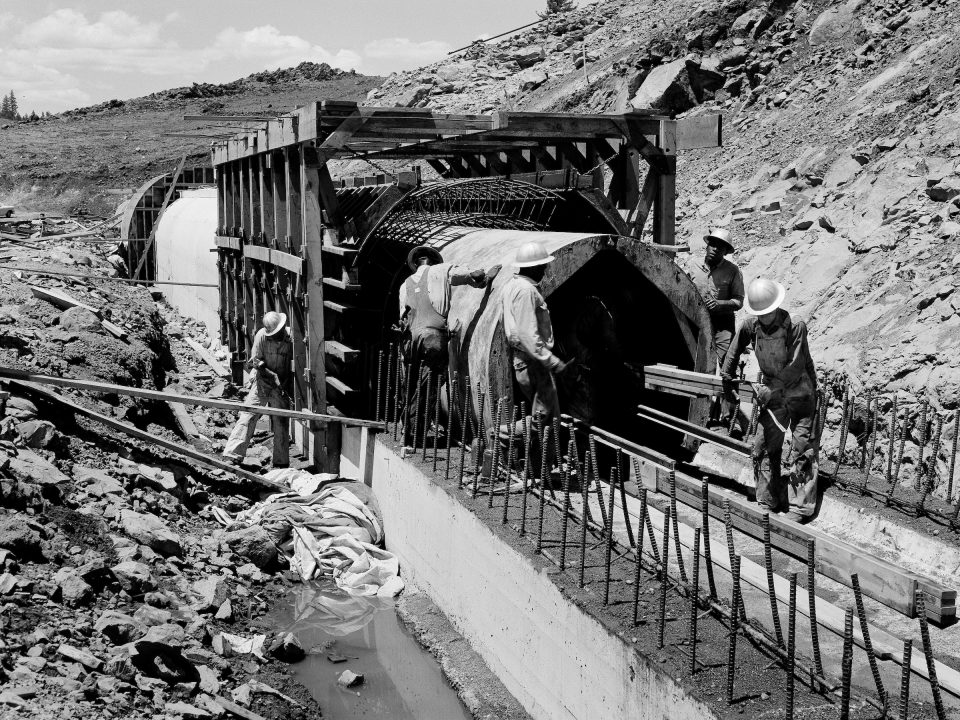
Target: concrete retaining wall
[{"x": 557, "y": 660}]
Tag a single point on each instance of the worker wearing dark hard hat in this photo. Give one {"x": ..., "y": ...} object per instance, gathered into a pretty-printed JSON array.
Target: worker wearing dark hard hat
[
  {"x": 786, "y": 400},
  {"x": 270, "y": 361},
  {"x": 720, "y": 283},
  {"x": 529, "y": 333},
  {"x": 424, "y": 306}
]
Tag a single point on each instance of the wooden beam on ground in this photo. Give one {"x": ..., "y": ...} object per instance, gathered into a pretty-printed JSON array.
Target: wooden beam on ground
[
  {"x": 701, "y": 384},
  {"x": 208, "y": 358},
  {"x": 175, "y": 447},
  {"x": 106, "y": 278},
  {"x": 689, "y": 428},
  {"x": 65, "y": 301},
  {"x": 98, "y": 387}
]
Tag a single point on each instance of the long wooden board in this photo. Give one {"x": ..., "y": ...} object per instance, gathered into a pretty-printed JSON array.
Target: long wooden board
[
  {"x": 178, "y": 448},
  {"x": 669, "y": 376},
  {"x": 91, "y": 386},
  {"x": 689, "y": 428},
  {"x": 218, "y": 367},
  {"x": 65, "y": 301}
]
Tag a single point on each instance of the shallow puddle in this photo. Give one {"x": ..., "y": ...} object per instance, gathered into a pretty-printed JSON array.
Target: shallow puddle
[{"x": 401, "y": 679}]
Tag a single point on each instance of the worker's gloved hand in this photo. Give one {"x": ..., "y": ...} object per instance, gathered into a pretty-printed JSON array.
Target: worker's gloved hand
[
  {"x": 269, "y": 376},
  {"x": 763, "y": 395},
  {"x": 729, "y": 387},
  {"x": 492, "y": 273}
]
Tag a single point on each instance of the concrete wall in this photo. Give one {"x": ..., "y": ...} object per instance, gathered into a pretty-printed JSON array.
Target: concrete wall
[
  {"x": 556, "y": 659},
  {"x": 184, "y": 240}
]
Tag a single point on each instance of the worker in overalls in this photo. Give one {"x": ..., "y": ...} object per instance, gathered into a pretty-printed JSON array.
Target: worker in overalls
[
  {"x": 270, "y": 361},
  {"x": 786, "y": 400},
  {"x": 424, "y": 306}
]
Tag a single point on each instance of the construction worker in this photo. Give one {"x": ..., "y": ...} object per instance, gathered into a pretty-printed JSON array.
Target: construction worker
[
  {"x": 786, "y": 399},
  {"x": 424, "y": 306},
  {"x": 270, "y": 361},
  {"x": 720, "y": 283},
  {"x": 529, "y": 334}
]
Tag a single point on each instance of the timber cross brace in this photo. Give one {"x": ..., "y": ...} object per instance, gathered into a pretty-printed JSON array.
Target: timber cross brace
[{"x": 326, "y": 251}]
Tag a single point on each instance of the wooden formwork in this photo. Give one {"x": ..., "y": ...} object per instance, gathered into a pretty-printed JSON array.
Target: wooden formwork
[{"x": 289, "y": 234}]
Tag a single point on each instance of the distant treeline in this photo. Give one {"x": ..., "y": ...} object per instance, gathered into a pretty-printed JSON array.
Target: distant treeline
[{"x": 10, "y": 109}]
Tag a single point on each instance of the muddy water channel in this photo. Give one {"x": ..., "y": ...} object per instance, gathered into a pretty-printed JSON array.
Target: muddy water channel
[{"x": 401, "y": 679}]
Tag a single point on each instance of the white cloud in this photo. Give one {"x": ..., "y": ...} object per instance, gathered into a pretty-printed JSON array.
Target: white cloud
[
  {"x": 269, "y": 48},
  {"x": 405, "y": 52}
]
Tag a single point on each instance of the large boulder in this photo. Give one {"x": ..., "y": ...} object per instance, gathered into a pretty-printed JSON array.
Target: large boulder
[
  {"x": 72, "y": 589},
  {"x": 666, "y": 89},
  {"x": 414, "y": 96},
  {"x": 18, "y": 537},
  {"x": 527, "y": 56},
  {"x": 135, "y": 577},
  {"x": 80, "y": 319},
  {"x": 29, "y": 467},
  {"x": 211, "y": 593},
  {"x": 837, "y": 24},
  {"x": 37, "y": 433},
  {"x": 151, "y": 531},
  {"x": 254, "y": 543},
  {"x": 751, "y": 24},
  {"x": 118, "y": 628}
]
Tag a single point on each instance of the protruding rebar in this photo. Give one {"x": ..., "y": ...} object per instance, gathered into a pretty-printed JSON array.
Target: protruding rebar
[
  {"x": 867, "y": 644},
  {"x": 928, "y": 654},
  {"x": 407, "y": 389},
  {"x": 731, "y": 547},
  {"x": 526, "y": 468},
  {"x": 844, "y": 421},
  {"x": 931, "y": 479},
  {"x": 480, "y": 439},
  {"x": 791, "y": 645},
  {"x": 892, "y": 445},
  {"x": 436, "y": 419},
  {"x": 771, "y": 588},
  {"x": 596, "y": 468},
  {"x": 953, "y": 455},
  {"x": 508, "y": 473},
  {"x": 682, "y": 571},
  {"x": 416, "y": 410},
  {"x": 609, "y": 552},
  {"x": 921, "y": 446},
  {"x": 426, "y": 409},
  {"x": 585, "y": 495},
  {"x": 466, "y": 413},
  {"x": 623, "y": 470},
  {"x": 734, "y": 628},
  {"x": 452, "y": 381},
  {"x": 869, "y": 424},
  {"x": 654, "y": 550},
  {"x": 705, "y": 522},
  {"x": 639, "y": 557},
  {"x": 544, "y": 430},
  {"x": 396, "y": 400},
  {"x": 868, "y": 463},
  {"x": 904, "y": 431},
  {"x": 379, "y": 383},
  {"x": 812, "y": 602},
  {"x": 694, "y": 599},
  {"x": 905, "y": 679},
  {"x": 566, "y": 512},
  {"x": 664, "y": 581},
  {"x": 846, "y": 664},
  {"x": 495, "y": 464}
]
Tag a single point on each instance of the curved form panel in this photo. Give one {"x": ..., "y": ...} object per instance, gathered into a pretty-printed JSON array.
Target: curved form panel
[{"x": 185, "y": 236}]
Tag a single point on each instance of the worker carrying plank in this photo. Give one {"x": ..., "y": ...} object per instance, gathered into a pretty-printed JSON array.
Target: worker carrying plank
[
  {"x": 529, "y": 333},
  {"x": 424, "y": 306},
  {"x": 720, "y": 283},
  {"x": 270, "y": 361},
  {"x": 786, "y": 399}
]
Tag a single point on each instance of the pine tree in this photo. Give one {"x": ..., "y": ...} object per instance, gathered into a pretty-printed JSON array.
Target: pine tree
[
  {"x": 5, "y": 107},
  {"x": 556, "y": 7},
  {"x": 14, "y": 115}
]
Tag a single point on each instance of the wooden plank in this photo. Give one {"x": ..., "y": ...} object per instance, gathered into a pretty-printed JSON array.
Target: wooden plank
[
  {"x": 341, "y": 285},
  {"x": 105, "y": 278},
  {"x": 689, "y": 428},
  {"x": 65, "y": 301},
  {"x": 228, "y": 243},
  {"x": 341, "y": 250},
  {"x": 257, "y": 252},
  {"x": 340, "y": 351},
  {"x": 701, "y": 131},
  {"x": 339, "y": 385},
  {"x": 703, "y": 381},
  {"x": 208, "y": 358},
  {"x": 175, "y": 447},
  {"x": 98, "y": 387},
  {"x": 287, "y": 261}
]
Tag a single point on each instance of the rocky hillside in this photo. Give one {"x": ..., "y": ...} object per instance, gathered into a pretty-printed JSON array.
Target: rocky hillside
[{"x": 840, "y": 171}]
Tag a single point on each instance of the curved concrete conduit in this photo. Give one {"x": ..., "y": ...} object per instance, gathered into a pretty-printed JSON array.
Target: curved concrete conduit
[
  {"x": 556, "y": 658},
  {"x": 887, "y": 627}
]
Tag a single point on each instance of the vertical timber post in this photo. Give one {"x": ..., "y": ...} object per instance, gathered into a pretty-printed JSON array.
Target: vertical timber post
[{"x": 664, "y": 229}]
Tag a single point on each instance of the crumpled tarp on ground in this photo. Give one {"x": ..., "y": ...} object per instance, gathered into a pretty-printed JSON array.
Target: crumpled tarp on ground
[{"x": 326, "y": 529}]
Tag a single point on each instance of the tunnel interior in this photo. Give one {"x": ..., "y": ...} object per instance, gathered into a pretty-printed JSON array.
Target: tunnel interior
[{"x": 613, "y": 320}]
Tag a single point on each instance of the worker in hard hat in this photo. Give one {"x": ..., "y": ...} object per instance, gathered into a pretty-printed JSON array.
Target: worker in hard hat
[
  {"x": 720, "y": 283},
  {"x": 529, "y": 334},
  {"x": 271, "y": 361},
  {"x": 786, "y": 400},
  {"x": 424, "y": 307}
]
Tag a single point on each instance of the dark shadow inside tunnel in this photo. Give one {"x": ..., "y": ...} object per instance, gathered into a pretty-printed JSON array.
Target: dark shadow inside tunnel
[{"x": 613, "y": 320}]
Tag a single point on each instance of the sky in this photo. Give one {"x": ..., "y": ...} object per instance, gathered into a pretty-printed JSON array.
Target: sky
[{"x": 61, "y": 55}]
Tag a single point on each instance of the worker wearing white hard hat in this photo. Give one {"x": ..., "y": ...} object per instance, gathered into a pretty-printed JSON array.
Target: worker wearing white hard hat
[
  {"x": 424, "y": 299},
  {"x": 529, "y": 333},
  {"x": 786, "y": 398},
  {"x": 720, "y": 283},
  {"x": 270, "y": 360}
]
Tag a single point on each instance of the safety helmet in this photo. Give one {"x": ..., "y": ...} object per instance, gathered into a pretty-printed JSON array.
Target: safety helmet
[
  {"x": 532, "y": 254},
  {"x": 273, "y": 322},
  {"x": 722, "y": 235},
  {"x": 413, "y": 257},
  {"x": 764, "y": 296}
]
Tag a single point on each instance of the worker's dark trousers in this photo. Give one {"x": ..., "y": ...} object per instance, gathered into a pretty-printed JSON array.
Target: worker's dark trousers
[
  {"x": 798, "y": 492},
  {"x": 539, "y": 390},
  {"x": 721, "y": 409},
  {"x": 243, "y": 431},
  {"x": 428, "y": 354}
]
